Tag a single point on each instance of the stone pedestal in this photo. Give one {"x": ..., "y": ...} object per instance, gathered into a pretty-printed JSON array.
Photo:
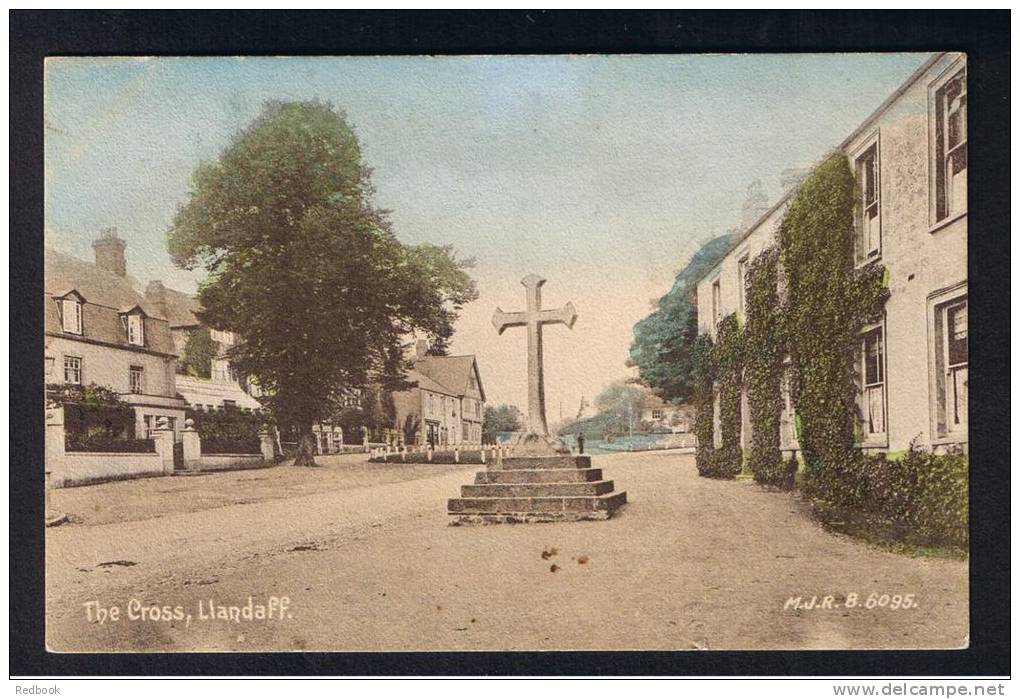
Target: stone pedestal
[
  {"x": 192, "y": 445},
  {"x": 266, "y": 446},
  {"x": 163, "y": 435},
  {"x": 537, "y": 489},
  {"x": 54, "y": 465}
]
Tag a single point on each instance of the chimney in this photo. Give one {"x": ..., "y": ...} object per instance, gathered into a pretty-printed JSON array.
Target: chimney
[
  {"x": 110, "y": 252},
  {"x": 155, "y": 293},
  {"x": 421, "y": 348},
  {"x": 755, "y": 205}
]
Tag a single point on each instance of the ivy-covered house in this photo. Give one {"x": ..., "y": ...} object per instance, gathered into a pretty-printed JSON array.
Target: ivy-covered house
[
  {"x": 99, "y": 331},
  {"x": 864, "y": 261}
]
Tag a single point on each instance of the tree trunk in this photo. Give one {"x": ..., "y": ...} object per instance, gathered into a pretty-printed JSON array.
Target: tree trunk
[{"x": 306, "y": 448}]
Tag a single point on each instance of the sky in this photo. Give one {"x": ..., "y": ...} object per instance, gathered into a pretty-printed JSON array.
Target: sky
[{"x": 603, "y": 174}]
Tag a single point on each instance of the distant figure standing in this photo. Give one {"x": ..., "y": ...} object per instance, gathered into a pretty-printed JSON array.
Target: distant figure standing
[{"x": 580, "y": 442}]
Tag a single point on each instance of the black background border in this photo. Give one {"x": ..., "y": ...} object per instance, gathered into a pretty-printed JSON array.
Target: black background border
[{"x": 983, "y": 35}]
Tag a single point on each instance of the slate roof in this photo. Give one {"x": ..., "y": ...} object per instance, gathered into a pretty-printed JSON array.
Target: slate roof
[
  {"x": 177, "y": 307},
  {"x": 63, "y": 273},
  {"x": 107, "y": 296},
  {"x": 424, "y": 382},
  {"x": 452, "y": 372}
]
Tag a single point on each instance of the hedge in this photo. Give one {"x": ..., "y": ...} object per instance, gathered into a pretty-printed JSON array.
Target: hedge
[
  {"x": 919, "y": 498},
  {"x": 228, "y": 431}
]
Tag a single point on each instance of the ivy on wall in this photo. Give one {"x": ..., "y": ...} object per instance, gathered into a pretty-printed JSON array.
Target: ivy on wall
[
  {"x": 702, "y": 398},
  {"x": 827, "y": 303},
  {"x": 763, "y": 367},
  {"x": 726, "y": 361},
  {"x": 920, "y": 497}
]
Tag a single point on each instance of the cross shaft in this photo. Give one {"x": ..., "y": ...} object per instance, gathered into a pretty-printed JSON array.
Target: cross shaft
[{"x": 534, "y": 318}]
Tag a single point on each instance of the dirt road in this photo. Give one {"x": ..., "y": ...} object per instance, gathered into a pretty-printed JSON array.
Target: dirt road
[{"x": 363, "y": 559}]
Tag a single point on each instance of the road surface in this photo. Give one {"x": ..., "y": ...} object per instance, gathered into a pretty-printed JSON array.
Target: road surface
[{"x": 354, "y": 556}]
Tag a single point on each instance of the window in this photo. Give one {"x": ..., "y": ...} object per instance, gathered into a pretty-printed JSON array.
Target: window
[
  {"x": 472, "y": 380},
  {"x": 229, "y": 403},
  {"x": 951, "y": 368},
  {"x": 873, "y": 384},
  {"x": 787, "y": 415},
  {"x": 656, "y": 414},
  {"x": 136, "y": 329},
  {"x": 70, "y": 310},
  {"x": 137, "y": 379},
  {"x": 716, "y": 301},
  {"x": 222, "y": 371},
  {"x": 72, "y": 370},
  {"x": 741, "y": 281},
  {"x": 950, "y": 106},
  {"x": 869, "y": 227},
  {"x": 467, "y": 432}
]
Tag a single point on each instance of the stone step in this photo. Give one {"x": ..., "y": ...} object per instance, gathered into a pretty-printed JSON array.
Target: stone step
[
  {"x": 533, "y": 490},
  {"x": 551, "y": 475},
  {"x": 543, "y": 462},
  {"x": 527, "y": 508}
]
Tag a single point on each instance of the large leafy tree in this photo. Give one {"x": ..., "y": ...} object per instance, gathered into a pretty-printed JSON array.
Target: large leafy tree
[
  {"x": 663, "y": 347},
  {"x": 306, "y": 270}
]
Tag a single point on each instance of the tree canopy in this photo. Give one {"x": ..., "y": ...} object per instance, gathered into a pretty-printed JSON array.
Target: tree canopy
[
  {"x": 663, "y": 347},
  {"x": 199, "y": 352},
  {"x": 621, "y": 402},
  {"x": 305, "y": 269},
  {"x": 501, "y": 418}
]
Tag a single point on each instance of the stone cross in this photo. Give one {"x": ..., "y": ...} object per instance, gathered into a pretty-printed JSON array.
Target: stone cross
[{"x": 534, "y": 318}]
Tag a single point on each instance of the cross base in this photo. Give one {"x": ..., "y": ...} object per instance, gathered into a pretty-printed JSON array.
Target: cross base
[{"x": 532, "y": 444}]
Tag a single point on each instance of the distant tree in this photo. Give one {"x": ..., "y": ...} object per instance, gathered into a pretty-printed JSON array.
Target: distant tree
[
  {"x": 410, "y": 429},
  {"x": 199, "y": 352},
  {"x": 379, "y": 409},
  {"x": 305, "y": 270},
  {"x": 663, "y": 341},
  {"x": 501, "y": 418},
  {"x": 621, "y": 402}
]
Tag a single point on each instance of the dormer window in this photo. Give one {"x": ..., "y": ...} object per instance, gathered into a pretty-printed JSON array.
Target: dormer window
[
  {"x": 70, "y": 311},
  {"x": 136, "y": 330}
]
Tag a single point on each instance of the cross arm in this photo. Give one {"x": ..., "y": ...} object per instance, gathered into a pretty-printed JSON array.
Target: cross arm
[
  {"x": 566, "y": 315},
  {"x": 502, "y": 320}
]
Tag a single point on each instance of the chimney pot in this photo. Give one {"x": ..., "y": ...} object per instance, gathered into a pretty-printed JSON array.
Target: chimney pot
[
  {"x": 110, "y": 252},
  {"x": 421, "y": 349}
]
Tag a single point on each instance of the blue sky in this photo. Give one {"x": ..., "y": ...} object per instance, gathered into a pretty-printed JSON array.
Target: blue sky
[{"x": 602, "y": 173}]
